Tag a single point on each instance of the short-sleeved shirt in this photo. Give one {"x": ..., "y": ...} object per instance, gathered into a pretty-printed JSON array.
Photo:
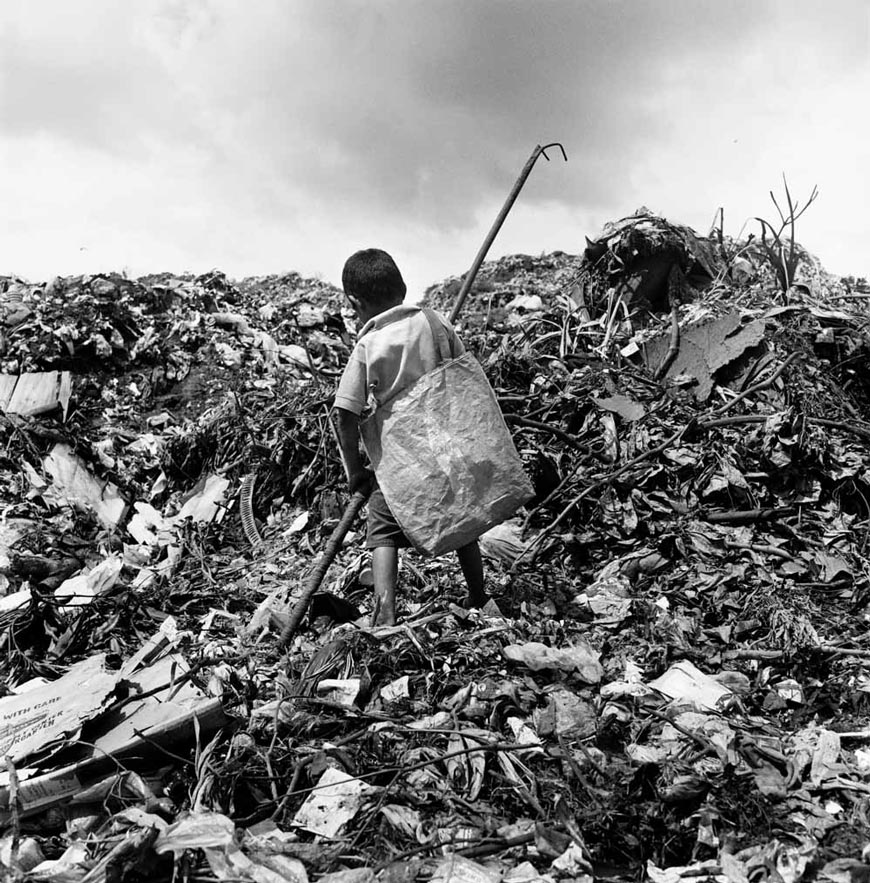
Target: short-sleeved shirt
[{"x": 395, "y": 349}]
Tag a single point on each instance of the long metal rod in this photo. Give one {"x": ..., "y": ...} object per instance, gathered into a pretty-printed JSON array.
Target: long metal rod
[
  {"x": 318, "y": 572},
  {"x": 493, "y": 232}
]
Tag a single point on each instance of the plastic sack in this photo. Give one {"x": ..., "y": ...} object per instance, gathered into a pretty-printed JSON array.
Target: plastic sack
[{"x": 444, "y": 457}]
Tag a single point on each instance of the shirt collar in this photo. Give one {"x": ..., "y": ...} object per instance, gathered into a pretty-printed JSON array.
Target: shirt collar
[{"x": 393, "y": 314}]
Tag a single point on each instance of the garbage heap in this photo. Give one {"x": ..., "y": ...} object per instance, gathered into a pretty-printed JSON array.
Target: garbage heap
[{"x": 671, "y": 680}]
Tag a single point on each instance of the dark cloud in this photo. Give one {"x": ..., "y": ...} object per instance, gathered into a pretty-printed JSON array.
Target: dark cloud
[
  {"x": 429, "y": 109},
  {"x": 375, "y": 110}
]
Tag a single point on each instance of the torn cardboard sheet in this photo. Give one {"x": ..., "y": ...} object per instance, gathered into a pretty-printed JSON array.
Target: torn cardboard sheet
[
  {"x": 151, "y": 722},
  {"x": 75, "y": 706},
  {"x": 73, "y": 483},
  {"x": 33, "y": 720},
  {"x": 160, "y": 717},
  {"x": 39, "y": 392},
  {"x": 157, "y": 646}
]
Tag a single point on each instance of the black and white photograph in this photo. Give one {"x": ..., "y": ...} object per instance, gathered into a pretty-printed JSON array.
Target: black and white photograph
[{"x": 434, "y": 441}]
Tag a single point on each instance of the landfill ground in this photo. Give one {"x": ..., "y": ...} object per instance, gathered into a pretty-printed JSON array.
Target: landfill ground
[{"x": 671, "y": 683}]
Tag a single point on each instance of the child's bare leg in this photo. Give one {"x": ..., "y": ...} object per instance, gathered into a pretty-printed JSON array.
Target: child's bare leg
[
  {"x": 472, "y": 569},
  {"x": 385, "y": 572}
]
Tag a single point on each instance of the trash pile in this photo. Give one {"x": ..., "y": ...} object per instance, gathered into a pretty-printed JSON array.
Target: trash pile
[{"x": 672, "y": 678}]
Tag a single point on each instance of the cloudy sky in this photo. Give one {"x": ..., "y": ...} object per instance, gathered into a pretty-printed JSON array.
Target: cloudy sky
[{"x": 262, "y": 136}]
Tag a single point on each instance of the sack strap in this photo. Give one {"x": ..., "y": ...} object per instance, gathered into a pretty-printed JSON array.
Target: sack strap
[{"x": 443, "y": 344}]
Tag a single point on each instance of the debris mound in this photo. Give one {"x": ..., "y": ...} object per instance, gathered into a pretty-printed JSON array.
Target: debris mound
[{"x": 671, "y": 681}]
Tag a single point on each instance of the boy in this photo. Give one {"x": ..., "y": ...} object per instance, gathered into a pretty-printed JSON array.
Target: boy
[{"x": 395, "y": 348}]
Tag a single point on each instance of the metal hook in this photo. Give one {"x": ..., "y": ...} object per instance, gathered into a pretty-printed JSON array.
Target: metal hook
[
  {"x": 553, "y": 144},
  {"x": 472, "y": 273}
]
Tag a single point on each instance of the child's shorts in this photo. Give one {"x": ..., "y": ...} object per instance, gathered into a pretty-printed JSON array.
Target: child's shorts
[{"x": 382, "y": 527}]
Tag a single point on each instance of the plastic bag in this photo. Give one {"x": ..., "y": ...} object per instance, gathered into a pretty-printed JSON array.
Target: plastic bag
[{"x": 444, "y": 457}]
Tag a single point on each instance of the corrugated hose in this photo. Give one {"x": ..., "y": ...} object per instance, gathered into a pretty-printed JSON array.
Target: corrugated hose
[{"x": 246, "y": 509}]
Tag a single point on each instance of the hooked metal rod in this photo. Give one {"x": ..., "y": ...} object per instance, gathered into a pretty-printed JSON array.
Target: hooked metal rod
[{"x": 500, "y": 218}]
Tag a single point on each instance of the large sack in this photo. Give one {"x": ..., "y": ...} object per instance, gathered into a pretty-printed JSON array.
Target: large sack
[{"x": 443, "y": 455}]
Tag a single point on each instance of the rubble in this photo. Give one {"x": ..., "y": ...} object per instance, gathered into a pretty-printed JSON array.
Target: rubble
[{"x": 672, "y": 681}]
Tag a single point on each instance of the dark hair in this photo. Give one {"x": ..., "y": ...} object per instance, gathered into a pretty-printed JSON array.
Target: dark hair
[{"x": 372, "y": 276}]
